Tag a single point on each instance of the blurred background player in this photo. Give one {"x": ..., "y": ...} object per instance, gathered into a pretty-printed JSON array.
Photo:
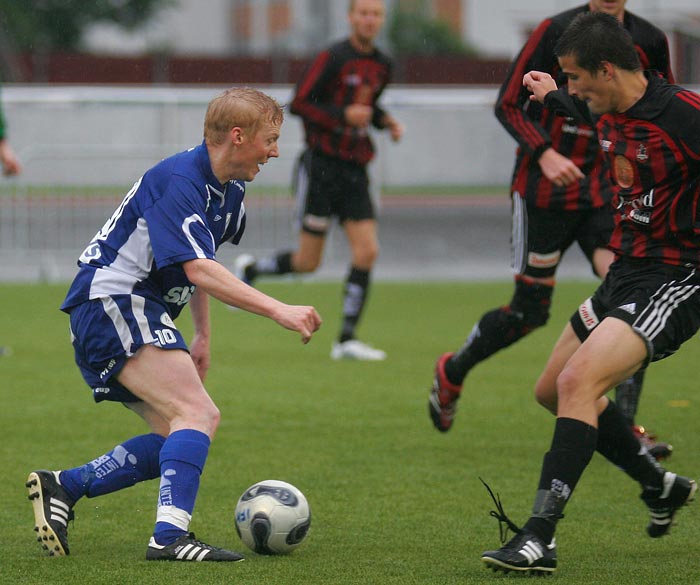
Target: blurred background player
[
  {"x": 649, "y": 302},
  {"x": 10, "y": 167},
  {"x": 154, "y": 255},
  {"x": 337, "y": 99},
  {"x": 560, "y": 194}
]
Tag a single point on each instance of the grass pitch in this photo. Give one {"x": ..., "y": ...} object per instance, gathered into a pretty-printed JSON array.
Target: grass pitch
[{"x": 393, "y": 500}]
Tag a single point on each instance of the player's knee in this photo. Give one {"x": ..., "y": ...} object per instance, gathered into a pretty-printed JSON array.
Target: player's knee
[
  {"x": 546, "y": 395},
  {"x": 532, "y": 301},
  {"x": 569, "y": 384},
  {"x": 304, "y": 264},
  {"x": 366, "y": 256},
  {"x": 199, "y": 413}
]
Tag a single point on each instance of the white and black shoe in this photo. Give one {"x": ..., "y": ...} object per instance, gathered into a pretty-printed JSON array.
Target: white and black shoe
[
  {"x": 53, "y": 509},
  {"x": 664, "y": 502},
  {"x": 188, "y": 548},
  {"x": 353, "y": 349},
  {"x": 524, "y": 553},
  {"x": 243, "y": 268}
]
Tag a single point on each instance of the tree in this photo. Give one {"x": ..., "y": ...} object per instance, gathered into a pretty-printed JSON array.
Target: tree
[
  {"x": 414, "y": 33},
  {"x": 46, "y": 25}
]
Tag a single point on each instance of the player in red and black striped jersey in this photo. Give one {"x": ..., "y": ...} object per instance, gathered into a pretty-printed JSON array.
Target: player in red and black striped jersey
[
  {"x": 561, "y": 194},
  {"x": 337, "y": 98},
  {"x": 648, "y": 304}
]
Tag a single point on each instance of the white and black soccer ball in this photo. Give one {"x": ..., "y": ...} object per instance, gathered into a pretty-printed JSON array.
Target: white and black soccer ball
[{"x": 272, "y": 517}]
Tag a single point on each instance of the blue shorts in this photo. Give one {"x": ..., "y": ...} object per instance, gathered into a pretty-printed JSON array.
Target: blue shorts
[{"x": 106, "y": 332}]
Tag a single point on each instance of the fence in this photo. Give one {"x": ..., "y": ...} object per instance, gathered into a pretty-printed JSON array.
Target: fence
[{"x": 82, "y": 148}]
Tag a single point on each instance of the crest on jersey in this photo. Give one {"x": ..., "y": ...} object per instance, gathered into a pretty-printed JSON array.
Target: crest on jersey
[
  {"x": 642, "y": 154},
  {"x": 624, "y": 172}
]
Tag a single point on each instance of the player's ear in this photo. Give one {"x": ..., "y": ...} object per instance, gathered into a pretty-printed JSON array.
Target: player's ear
[
  {"x": 607, "y": 70},
  {"x": 237, "y": 136}
]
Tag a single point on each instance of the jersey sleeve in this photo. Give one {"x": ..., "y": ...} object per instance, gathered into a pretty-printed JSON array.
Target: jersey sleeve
[
  {"x": 687, "y": 123},
  {"x": 513, "y": 101},
  {"x": 177, "y": 225},
  {"x": 308, "y": 100},
  {"x": 568, "y": 106}
]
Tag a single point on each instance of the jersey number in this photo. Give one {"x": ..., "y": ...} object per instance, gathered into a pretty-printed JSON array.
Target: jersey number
[{"x": 165, "y": 336}]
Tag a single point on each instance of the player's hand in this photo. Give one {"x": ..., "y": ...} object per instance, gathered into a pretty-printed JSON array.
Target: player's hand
[
  {"x": 200, "y": 354},
  {"x": 304, "y": 320},
  {"x": 395, "y": 128},
  {"x": 559, "y": 169},
  {"x": 540, "y": 84},
  {"x": 358, "y": 115},
  {"x": 10, "y": 163}
]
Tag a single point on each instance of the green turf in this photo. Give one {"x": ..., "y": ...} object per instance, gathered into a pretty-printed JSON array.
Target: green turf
[{"x": 393, "y": 501}]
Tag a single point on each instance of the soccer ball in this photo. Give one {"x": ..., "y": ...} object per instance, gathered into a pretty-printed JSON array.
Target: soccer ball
[{"x": 272, "y": 517}]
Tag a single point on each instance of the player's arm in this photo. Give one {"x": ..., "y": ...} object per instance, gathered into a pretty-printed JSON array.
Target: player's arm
[
  {"x": 660, "y": 58},
  {"x": 560, "y": 170},
  {"x": 384, "y": 120},
  {"x": 217, "y": 281},
  {"x": 199, "y": 347},
  {"x": 513, "y": 104},
  {"x": 308, "y": 102}
]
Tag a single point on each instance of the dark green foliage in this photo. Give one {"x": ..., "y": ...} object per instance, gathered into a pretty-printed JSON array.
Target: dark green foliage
[{"x": 58, "y": 24}]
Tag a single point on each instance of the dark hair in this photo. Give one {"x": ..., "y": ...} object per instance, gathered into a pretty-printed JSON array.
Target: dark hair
[{"x": 594, "y": 37}]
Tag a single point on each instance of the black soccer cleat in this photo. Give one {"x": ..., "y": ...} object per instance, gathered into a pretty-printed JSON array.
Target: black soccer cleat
[
  {"x": 664, "y": 502},
  {"x": 525, "y": 553},
  {"x": 53, "y": 509},
  {"x": 188, "y": 548}
]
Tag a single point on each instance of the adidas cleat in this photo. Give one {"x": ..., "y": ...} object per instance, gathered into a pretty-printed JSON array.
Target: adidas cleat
[
  {"x": 188, "y": 548},
  {"x": 664, "y": 502},
  {"x": 442, "y": 403},
  {"x": 524, "y": 553},
  {"x": 53, "y": 509}
]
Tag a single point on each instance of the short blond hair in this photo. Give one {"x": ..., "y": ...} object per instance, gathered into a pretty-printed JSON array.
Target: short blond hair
[{"x": 242, "y": 107}]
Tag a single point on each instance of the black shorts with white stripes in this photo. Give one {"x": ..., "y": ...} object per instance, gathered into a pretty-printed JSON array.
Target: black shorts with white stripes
[{"x": 659, "y": 301}]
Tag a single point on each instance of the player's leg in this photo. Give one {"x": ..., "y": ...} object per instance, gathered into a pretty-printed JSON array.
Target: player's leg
[
  {"x": 314, "y": 188},
  {"x": 99, "y": 351},
  {"x": 615, "y": 441},
  {"x": 593, "y": 236},
  {"x": 538, "y": 241},
  {"x": 353, "y": 205},
  {"x": 611, "y": 352},
  {"x": 616, "y": 342},
  {"x": 362, "y": 238},
  {"x": 167, "y": 383}
]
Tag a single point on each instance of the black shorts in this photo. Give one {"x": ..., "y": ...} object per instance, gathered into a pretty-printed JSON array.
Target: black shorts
[
  {"x": 659, "y": 301},
  {"x": 327, "y": 187},
  {"x": 541, "y": 236}
]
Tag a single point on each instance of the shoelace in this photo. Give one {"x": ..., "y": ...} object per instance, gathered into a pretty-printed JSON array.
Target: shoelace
[{"x": 504, "y": 523}]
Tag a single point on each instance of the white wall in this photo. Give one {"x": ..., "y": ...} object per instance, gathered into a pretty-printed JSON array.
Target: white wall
[{"x": 110, "y": 135}]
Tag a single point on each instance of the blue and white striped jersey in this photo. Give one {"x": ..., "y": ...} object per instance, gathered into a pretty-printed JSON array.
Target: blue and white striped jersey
[{"x": 178, "y": 211}]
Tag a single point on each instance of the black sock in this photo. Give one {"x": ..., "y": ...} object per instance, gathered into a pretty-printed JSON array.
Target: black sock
[
  {"x": 495, "y": 330},
  {"x": 280, "y": 263},
  {"x": 618, "y": 444},
  {"x": 572, "y": 447},
  {"x": 354, "y": 298},
  {"x": 627, "y": 395},
  {"x": 528, "y": 309}
]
